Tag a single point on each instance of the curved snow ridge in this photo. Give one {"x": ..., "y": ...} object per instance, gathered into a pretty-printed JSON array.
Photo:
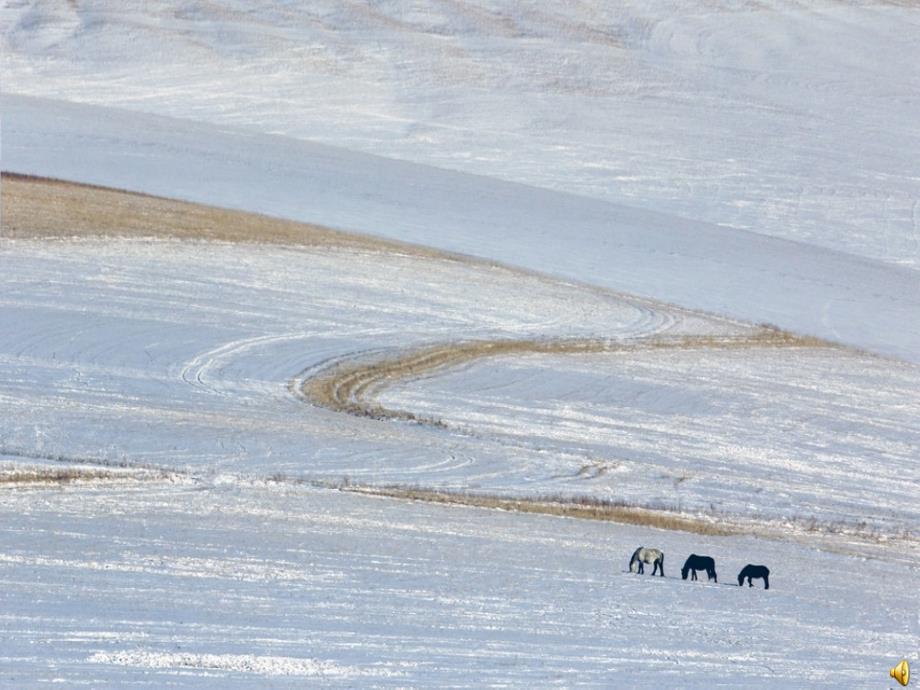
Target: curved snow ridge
[
  {"x": 351, "y": 384},
  {"x": 196, "y": 371},
  {"x": 239, "y": 663}
]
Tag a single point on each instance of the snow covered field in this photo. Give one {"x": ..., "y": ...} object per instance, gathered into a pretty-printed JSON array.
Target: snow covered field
[
  {"x": 217, "y": 565},
  {"x": 195, "y": 406},
  {"x": 796, "y": 286},
  {"x": 180, "y": 584},
  {"x": 185, "y": 353},
  {"x": 793, "y": 119}
]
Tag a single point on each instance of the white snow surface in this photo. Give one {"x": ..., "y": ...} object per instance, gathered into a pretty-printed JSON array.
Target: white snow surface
[
  {"x": 228, "y": 572},
  {"x": 184, "y": 353},
  {"x": 797, "y": 286},
  {"x": 642, "y": 161},
  {"x": 238, "y": 585},
  {"x": 793, "y": 119}
]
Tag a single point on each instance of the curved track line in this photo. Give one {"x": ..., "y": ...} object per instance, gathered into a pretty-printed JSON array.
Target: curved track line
[
  {"x": 196, "y": 372},
  {"x": 351, "y": 384}
]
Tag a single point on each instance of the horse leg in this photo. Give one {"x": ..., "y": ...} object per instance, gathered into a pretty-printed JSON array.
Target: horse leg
[
  {"x": 693, "y": 576},
  {"x": 750, "y": 584},
  {"x": 766, "y": 582},
  {"x": 641, "y": 568}
]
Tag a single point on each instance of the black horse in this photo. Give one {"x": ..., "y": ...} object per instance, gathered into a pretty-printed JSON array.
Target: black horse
[
  {"x": 695, "y": 563},
  {"x": 750, "y": 571}
]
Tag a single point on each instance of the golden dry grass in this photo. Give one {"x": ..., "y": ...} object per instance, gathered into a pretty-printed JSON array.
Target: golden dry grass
[
  {"x": 37, "y": 207},
  {"x": 351, "y": 386},
  {"x": 858, "y": 538},
  {"x": 65, "y": 475},
  {"x": 583, "y": 508}
]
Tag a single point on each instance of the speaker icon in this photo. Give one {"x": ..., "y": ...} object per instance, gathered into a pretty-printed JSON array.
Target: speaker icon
[{"x": 901, "y": 672}]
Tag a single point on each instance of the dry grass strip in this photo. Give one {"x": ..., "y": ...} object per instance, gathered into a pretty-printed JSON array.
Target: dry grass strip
[
  {"x": 351, "y": 386},
  {"x": 848, "y": 538},
  {"x": 40, "y": 208},
  {"x": 67, "y": 475},
  {"x": 585, "y": 508}
]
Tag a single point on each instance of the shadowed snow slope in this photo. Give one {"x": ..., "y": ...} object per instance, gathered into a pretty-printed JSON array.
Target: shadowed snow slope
[
  {"x": 797, "y": 286},
  {"x": 798, "y": 119}
]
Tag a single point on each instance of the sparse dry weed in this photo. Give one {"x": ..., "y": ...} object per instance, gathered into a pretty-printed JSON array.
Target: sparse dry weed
[
  {"x": 54, "y": 475},
  {"x": 710, "y": 523},
  {"x": 583, "y": 507}
]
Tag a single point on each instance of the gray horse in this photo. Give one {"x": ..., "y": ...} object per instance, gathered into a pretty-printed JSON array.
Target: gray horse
[{"x": 644, "y": 555}]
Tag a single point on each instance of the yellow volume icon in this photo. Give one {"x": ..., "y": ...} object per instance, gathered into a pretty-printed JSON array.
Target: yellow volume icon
[{"x": 901, "y": 672}]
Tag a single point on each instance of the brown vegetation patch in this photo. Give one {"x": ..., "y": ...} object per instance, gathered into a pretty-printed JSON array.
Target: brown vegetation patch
[
  {"x": 351, "y": 386},
  {"x": 38, "y": 207},
  {"x": 66, "y": 475},
  {"x": 583, "y": 507},
  {"x": 839, "y": 537}
]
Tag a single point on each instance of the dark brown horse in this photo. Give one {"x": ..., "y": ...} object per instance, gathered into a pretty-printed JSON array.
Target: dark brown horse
[
  {"x": 695, "y": 563},
  {"x": 750, "y": 571}
]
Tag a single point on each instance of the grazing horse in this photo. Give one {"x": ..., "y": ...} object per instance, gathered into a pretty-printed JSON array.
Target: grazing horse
[
  {"x": 644, "y": 555},
  {"x": 695, "y": 563},
  {"x": 750, "y": 571}
]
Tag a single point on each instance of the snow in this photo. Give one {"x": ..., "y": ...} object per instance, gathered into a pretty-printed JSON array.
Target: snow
[
  {"x": 630, "y": 174},
  {"x": 230, "y": 572},
  {"x": 184, "y": 353},
  {"x": 792, "y": 119},
  {"x": 396, "y": 594},
  {"x": 800, "y": 287},
  {"x": 763, "y": 430}
]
